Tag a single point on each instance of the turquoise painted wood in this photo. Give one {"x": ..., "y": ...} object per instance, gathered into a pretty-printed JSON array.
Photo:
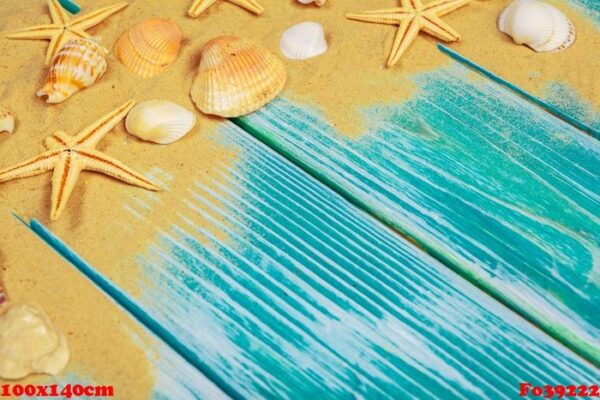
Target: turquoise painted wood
[
  {"x": 301, "y": 295},
  {"x": 491, "y": 184}
]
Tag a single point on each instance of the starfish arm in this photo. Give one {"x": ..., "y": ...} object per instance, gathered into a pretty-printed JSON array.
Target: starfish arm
[
  {"x": 95, "y": 160},
  {"x": 59, "y": 140},
  {"x": 58, "y": 14},
  {"x": 38, "y": 32},
  {"x": 65, "y": 176},
  {"x": 93, "y": 134},
  {"x": 393, "y": 16},
  {"x": 92, "y": 19},
  {"x": 250, "y": 5},
  {"x": 34, "y": 166},
  {"x": 438, "y": 28},
  {"x": 199, "y": 6},
  {"x": 440, "y": 8},
  {"x": 412, "y": 4},
  {"x": 56, "y": 43},
  {"x": 407, "y": 32}
]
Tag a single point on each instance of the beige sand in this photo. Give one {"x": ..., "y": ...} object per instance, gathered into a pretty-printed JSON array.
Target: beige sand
[{"x": 350, "y": 76}]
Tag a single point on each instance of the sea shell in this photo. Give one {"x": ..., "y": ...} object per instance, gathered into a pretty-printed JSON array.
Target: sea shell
[
  {"x": 150, "y": 46},
  {"x": 302, "y": 41},
  {"x": 159, "y": 121},
  {"x": 7, "y": 121},
  {"x": 317, "y": 2},
  {"x": 30, "y": 343},
  {"x": 236, "y": 77},
  {"x": 79, "y": 64},
  {"x": 538, "y": 25}
]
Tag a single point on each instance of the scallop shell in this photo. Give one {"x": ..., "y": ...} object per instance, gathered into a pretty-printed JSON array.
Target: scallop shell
[
  {"x": 79, "y": 64},
  {"x": 538, "y": 25},
  {"x": 149, "y": 47},
  {"x": 30, "y": 343},
  {"x": 302, "y": 41},
  {"x": 7, "y": 124},
  {"x": 236, "y": 77},
  {"x": 317, "y": 2},
  {"x": 159, "y": 121}
]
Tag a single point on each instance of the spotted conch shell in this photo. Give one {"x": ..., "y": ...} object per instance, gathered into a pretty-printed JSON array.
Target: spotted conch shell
[
  {"x": 79, "y": 64},
  {"x": 7, "y": 125},
  {"x": 150, "y": 46},
  {"x": 236, "y": 77},
  {"x": 317, "y": 2}
]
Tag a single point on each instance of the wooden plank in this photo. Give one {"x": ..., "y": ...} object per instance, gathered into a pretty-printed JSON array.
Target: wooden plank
[
  {"x": 484, "y": 180},
  {"x": 285, "y": 290},
  {"x": 108, "y": 348}
]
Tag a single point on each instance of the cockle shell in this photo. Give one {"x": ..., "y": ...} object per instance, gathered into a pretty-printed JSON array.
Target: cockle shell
[
  {"x": 317, "y": 2},
  {"x": 159, "y": 121},
  {"x": 79, "y": 64},
  {"x": 236, "y": 77},
  {"x": 7, "y": 123},
  {"x": 30, "y": 343},
  {"x": 150, "y": 46},
  {"x": 302, "y": 41},
  {"x": 538, "y": 25}
]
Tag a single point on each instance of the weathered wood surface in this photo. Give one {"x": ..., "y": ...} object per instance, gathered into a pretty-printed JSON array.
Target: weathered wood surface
[
  {"x": 276, "y": 285},
  {"x": 33, "y": 272},
  {"x": 487, "y": 182}
]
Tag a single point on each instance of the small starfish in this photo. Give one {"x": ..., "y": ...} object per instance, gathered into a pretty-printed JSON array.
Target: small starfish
[
  {"x": 63, "y": 28},
  {"x": 69, "y": 155},
  {"x": 411, "y": 18},
  {"x": 199, "y": 6}
]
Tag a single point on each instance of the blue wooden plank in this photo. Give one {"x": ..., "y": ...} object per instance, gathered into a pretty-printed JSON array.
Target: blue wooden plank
[
  {"x": 32, "y": 272},
  {"x": 287, "y": 291},
  {"x": 487, "y": 182}
]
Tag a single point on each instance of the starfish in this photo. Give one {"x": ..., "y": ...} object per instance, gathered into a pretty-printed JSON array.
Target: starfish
[
  {"x": 63, "y": 28},
  {"x": 199, "y": 6},
  {"x": 69, "y": 155},
  {"x": 412, "y": 18}
]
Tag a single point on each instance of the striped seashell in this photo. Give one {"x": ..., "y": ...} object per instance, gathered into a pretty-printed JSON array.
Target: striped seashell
[
  {"x": 236, "y": 77},
  {"x": 150, "y": 46},
  {"x": 79, "y": 64}
]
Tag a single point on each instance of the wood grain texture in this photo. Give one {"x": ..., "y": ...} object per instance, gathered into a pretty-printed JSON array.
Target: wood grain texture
[
  {"x": 487, "y": 182},
  {"x": 284, "y": 290},
  {"x": 27, "y": 263}
]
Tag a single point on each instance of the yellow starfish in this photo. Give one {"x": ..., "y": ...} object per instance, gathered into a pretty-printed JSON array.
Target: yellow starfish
[
  {"x": 412, "y": 18},
  {"x": 69, "y": 155},
  {"x": 199, "y": 6},
  {"x": 63, "y": 28}
]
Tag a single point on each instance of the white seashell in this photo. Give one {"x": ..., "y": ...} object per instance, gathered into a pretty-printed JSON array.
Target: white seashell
[
  {"x": 538, "y": 25},
  {"x": 302, "y": 41},
  {"x": 317, "y": 2},
  {"x": 7, "y": 121},
  {"x": 159, "y": 121}
]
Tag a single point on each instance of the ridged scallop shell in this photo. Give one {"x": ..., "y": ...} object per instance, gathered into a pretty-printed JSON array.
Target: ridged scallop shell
[
  {"x": 149, "y": 47},
  {"x": 302, "y": 41},
  {"x": 79, "y": 64},
  {"x": 538, "y": 25},
  {"x": 7, "y": 125},
  {"x": 317, "y": 2},
  {"x": 159, "y": 121},
  {"x": 236, "y": 77}
]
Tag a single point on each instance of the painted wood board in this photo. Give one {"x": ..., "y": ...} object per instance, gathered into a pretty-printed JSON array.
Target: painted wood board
[
  {"x": 282, "y": 289},
  {"x": 566, "y": 81},
  {"x": 94, "y": 325},
  {"x": 492, "y": 185}
]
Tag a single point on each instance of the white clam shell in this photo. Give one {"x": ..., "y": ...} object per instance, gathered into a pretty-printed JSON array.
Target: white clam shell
[
  {"x": 317, "y": 2},
  {"x": 537, "y": 25},
  {"x": 159, "y": 121},
  {"x": 303, "y": 41},
  {"x": 7, "y": 121}
]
